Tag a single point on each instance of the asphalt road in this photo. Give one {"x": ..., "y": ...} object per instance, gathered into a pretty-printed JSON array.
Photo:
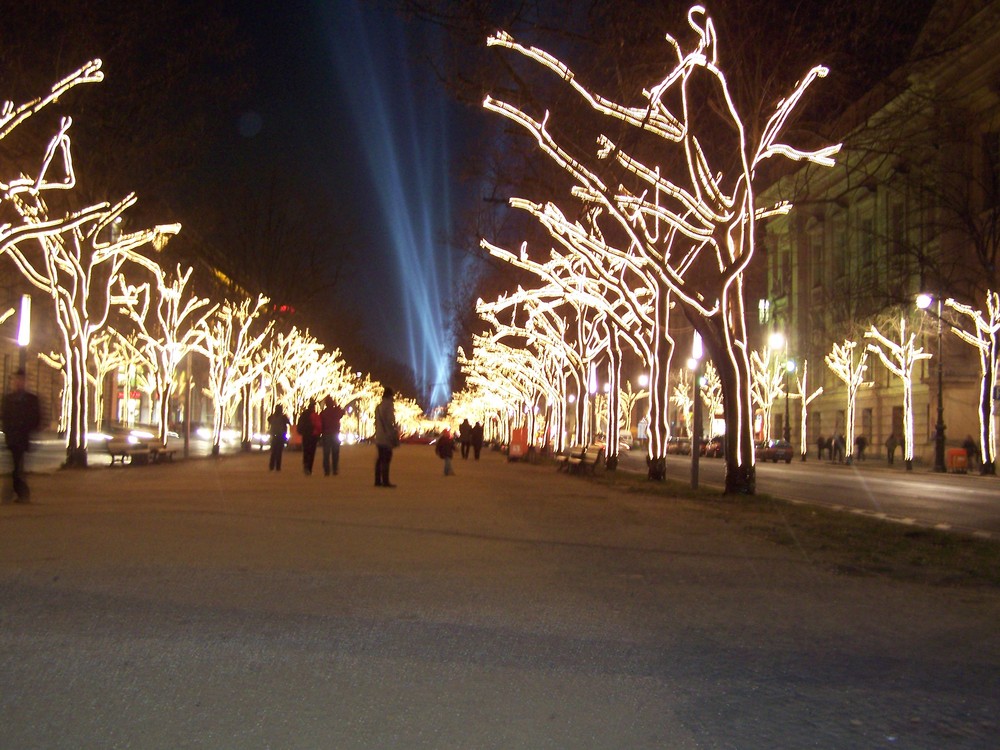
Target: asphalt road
[
  {"x": 968, "y": 503},
  {"x": 212, "y": 604}
]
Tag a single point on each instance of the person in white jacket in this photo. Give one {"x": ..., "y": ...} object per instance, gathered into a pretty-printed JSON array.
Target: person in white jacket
[{"x": 386, "y": 437}]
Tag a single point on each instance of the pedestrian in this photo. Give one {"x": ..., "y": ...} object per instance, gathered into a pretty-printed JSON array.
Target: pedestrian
[
  {"x": 278, "y": 425},
  {"x": 971, "y": 452},
  {"x": 330, "y": 420},
  {"x": 445, "y": 448},
  {"x": 477, "y": 438},
  {"x": 386, "y": 437},
  {"x": 890, "y": 448},
  {"x": 820, "y": 445},
  {"x": 839, "y": 445},
  {"x": 861, "y": 442},
  {"x": 309, "y": 427},
  {"x": 22, "y": 415},
  {"x": 465, "y": 438}
]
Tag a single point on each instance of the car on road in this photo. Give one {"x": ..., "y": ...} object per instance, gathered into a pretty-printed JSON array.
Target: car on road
[
  {"x": 774, "y": 450},
  {"x": 680, "y": 446},
  {"x": 713, "y": 448}
]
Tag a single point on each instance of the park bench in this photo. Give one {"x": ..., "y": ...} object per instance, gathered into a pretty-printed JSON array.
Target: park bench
[
  {"x": 136, "y": 453},
  {"x": 158, "y": 455},
  {"x": 579, "y": 463}
]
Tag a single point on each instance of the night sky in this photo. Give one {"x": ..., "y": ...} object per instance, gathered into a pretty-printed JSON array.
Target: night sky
[{"x": 339, "y": 98}]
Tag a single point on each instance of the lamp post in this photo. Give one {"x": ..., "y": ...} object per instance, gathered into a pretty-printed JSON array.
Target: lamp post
[
  {"x": 776, "y": 342},
  {"x": 789, "y": 369},
  {"x": 24, "y": 331},
  {"x": 694, "y": 364},
  {"x": 924, "y": 303}
]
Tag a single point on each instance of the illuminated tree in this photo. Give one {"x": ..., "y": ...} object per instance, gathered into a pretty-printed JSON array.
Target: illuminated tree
[
  {"x": 169, "y": 324},
  {"x": 628, "y": 399},
  {"x": 231, "y": 346},
  {"x": 107, "y": 355},
  {"x": 683, "y": 398},
  {"x": 841, "y": 361},
  {"x": 899, "y": 357},
  {"x": 985, "y": 337},
  {"x": 805, "y": 398},
  {"x": 767, "y": 384},
  {"x": 592, "y": 274},
  {"x": 693, "y": 226},
  {"x": 78, "y": 270},
  {"x": 28, "y": 188},
  {"x": 711, "y": 393}
]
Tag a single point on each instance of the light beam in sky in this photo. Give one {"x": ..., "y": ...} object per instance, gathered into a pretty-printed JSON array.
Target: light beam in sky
[{"x": 403, "y": 129}]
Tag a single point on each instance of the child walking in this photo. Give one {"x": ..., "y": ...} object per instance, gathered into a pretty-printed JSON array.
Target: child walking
[{"x": 445, "y": 449}]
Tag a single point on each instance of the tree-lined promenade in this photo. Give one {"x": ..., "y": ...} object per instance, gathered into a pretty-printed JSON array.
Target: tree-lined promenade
[{"x": 209, "y": 603}]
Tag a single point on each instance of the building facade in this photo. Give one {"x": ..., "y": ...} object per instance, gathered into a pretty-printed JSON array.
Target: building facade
[{"x": 912, "y": 206}]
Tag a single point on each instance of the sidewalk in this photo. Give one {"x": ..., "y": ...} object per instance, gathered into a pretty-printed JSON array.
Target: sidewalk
[{"x": 212, "y": 603}]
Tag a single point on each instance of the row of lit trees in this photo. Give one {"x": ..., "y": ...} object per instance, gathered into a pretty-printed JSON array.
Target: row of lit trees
[
  {"x": 117, "y": 308},
  {"x": 534, "y": 356},
  {"x": 668, "y": 221}
]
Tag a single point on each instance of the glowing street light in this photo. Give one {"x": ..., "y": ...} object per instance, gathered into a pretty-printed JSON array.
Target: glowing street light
[
  {"x": 924, "y": 302},
  {"x": 789, "y": 369},
  {"x": 24, "y": 331},
  {"x": 694, "y": 364}
]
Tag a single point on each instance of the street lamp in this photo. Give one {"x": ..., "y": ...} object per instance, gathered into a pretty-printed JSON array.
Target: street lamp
[
  {"x": 924, "y": 302},
  {"x": 24, "y": 331},
  {"x": 789, "y": 369},
  {"x": 694, "y": 363}
]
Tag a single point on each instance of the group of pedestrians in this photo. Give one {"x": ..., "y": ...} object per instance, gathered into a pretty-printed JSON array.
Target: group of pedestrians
[
  {"x": 313, "y": 427},
  {"x": 325, "y": 425}
]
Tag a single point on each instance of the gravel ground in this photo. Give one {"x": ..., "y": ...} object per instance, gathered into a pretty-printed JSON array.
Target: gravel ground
[{"x": 214, "y": 604}]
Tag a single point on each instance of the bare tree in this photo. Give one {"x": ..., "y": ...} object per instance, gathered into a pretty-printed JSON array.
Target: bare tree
[{"x": 685, "y": 218}]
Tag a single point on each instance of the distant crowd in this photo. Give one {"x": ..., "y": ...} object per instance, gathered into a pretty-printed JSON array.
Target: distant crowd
[{"x": 323, "y": 427}]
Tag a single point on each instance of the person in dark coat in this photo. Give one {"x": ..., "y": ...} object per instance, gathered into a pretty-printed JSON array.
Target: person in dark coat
[
  {"x": 820, "y": 445},
  {"x": 309, "y": 427},
  {"x": 890, "y": 447},
  {"x": 21, "y": 416},
  {"x": 477, "y": 439},
  {"x": 386, "y": 437},
  {"x": 465, "y": 437},
  {"x": 330, "y": 417},
  {"x": 277, "y": 424},
  {"x": 971, "y": 452}
]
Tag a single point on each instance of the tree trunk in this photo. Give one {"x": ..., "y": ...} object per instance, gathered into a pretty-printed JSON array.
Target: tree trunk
[
  {"x": 733, "y": 366},
  {"x": 76, "y": 429},
  {"x": 614, "y": 397},
  {"x": 659, "y": 393}
]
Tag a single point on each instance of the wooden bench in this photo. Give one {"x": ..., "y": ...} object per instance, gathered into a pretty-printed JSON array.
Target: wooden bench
[
  {"x": 580, "y": 464},
  {"x": 570, "y": 462},
  {"x": 158, "y": 455},
  {"x": 136, "y": 453}
]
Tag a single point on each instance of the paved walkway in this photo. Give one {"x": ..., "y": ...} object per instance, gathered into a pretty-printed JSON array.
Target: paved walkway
[{"x": 212, "y": 604}]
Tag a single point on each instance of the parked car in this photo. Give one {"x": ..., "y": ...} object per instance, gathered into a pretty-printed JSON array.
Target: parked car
[
  {"x": 774, "y": 450},
  {"x": 679, "y": 445},
  {"x": 713, "y": 448}
]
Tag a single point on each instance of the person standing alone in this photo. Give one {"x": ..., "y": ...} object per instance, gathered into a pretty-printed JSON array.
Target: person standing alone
[
  {"x": 330, "y": 417},
  {"x": 21, "y": 416},
  {"x": 386, "y": 437},
  {"x": 278, "y": 425},
  {"x": 309, "y": 427}
]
